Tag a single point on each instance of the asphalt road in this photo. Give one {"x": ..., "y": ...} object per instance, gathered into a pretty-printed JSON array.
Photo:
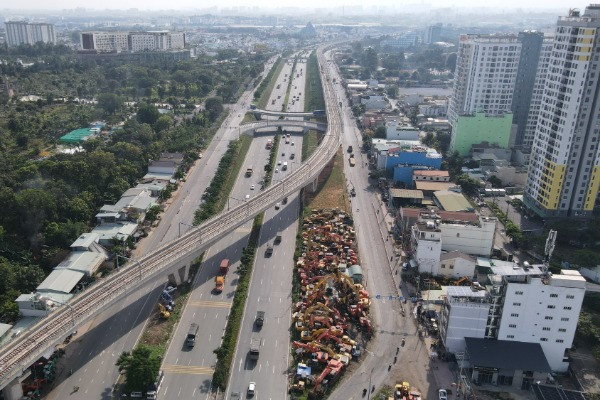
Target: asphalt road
[
  {"x": 375, "y": 252},
  {"x": 94, "y": 350},
  {"x": 271, "y": 284},
  {"x": 188, "y": 372}
]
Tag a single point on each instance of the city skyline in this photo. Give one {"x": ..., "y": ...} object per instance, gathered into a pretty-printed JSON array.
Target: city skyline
[{"x": 510, "y": 5}]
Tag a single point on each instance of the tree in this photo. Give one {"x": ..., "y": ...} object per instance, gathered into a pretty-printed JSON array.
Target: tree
[
  {"x": 392, "y": 91},
  {"x": 163, "y": 123},
  {"x": 369, "y": 59},
  {"x": 469, "y": 185},
  {"x": 110, "y": 102},
  {"x": 495, "y": 181},
  {"x": 147, "y": 114},
  {"x": 152, "y": 213},
  {"x": 380, "y": 132},
  {"x": 453, "y": 164},
  {"x": 140, "y": 368},
  {"x": 214, "y": 107}
]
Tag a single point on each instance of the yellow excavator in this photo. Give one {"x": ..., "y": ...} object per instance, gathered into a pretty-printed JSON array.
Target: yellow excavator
[{"x": 164, "y": 313}]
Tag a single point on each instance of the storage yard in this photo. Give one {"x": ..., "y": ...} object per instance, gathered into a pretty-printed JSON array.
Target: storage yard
[{"x": 331, "y": 317}]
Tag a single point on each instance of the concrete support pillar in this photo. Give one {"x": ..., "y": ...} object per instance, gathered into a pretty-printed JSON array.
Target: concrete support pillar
[
  {"x": 180, "y": 275},
  {"x": 314, "y": 185},
  {"x": 14, "y": 391}
]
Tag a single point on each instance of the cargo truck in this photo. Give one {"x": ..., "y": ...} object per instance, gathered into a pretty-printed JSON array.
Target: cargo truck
[
  {"x": 352, "y": 161},
  {"x": 284, "y": 168},
  {"x": 254, "y": 349},
  {"x": 260, "y": 318},
  {"x": 190, "y": 340},
  {"x": 249, "y": 172},
  {"x": 220, "y": 279}
]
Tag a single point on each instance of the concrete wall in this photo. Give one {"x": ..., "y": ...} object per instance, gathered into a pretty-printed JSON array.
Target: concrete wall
[
  {"x": 469, "y": 239},
  {"x": 470, "y": 130}
]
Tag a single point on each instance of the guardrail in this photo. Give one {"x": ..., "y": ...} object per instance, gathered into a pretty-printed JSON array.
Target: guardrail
[{"x": 23, "y": 350}]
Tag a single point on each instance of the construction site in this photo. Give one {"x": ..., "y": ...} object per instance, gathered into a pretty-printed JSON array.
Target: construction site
[{"x": 331, "y": 313}]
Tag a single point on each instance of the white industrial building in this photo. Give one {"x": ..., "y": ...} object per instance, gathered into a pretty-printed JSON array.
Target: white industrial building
[
  {"x": 515, "y": 303},
  {"x": 400, "y": 130},
  {"x": 22, "y": 32}
]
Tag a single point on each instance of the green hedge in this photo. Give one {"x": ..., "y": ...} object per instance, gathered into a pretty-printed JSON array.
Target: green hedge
[
  {"x": 227, "y": 349},
  {"x": 263, "y": 92},
  {"x": 313, "y": 89},
  {"x": 272, "y": 160},
  {"x": 224, "y": 179}
]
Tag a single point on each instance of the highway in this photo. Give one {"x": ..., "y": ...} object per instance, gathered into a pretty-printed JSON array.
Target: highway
[
  {"x": 271, "y": 284},
  {"x": 93, "y": 352},
  {"x": 188, "y": 372},
  {"x": 27, "y": 347}
]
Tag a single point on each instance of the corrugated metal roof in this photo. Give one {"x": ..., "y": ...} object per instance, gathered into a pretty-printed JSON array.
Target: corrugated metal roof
[
  {"x": 83, "y": 261},
  {"x": 452, "y": 201},
  {"x": 524, "y": 356},
  {"x": 60, "y": 280},
  {"x": 406, "y": 193},
  {"x": 85, "y": 240}
]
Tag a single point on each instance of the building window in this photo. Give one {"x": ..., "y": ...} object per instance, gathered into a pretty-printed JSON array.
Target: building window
[
  {"x": 512, "y": 326},
  {"x": 458, "y": 235},
  {"x": 514, "y": 315},
  {"x": 546, "y": 328},
  {"x": 570, "y": 296},
  {"x": 543, "y": 339},
  {"x": 510, "y": 336},
  {"x": 562, "y": 330},
  {"x": 564, "y": 319},
  {"x": 516, "y": 304},
  {"x": 566, "y": 308},
  {"x": 518, "y": 292},
  {"x": 559, "y": 341},
  {"x": 551, "y": 306},
  {"x": 553, "y": 295},
  {"x": 548, "y": 317}
]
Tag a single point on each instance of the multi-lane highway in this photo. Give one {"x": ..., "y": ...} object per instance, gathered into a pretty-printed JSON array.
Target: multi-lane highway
[
  {"x": 188, "y": 371},
  {"x": 271, "y": 284}
]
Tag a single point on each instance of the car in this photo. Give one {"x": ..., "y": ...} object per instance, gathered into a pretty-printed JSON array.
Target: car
[
  {"x": 284, "y": 201},
  {"x": 293, "y": 143},
  {"x": 276, "y": 170},
  {"x": 442, "y": 394},
  {"x": 251, "y": 388},
  {"x": 283, "y": 154},
  {"x": 247, "y": 197},
  {"x": 277, "y": 206},
  {"x": 278, "y": 162},
  {"x": 252, "y": 187}
]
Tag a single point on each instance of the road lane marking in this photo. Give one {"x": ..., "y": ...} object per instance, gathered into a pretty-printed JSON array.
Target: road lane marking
[
  {"x": 190, "y": 369},
  {"x": 217, "y": 304}
]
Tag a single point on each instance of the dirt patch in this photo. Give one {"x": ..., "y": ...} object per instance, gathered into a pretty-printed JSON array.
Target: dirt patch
[
  {"x": 586, "y": 368},
  {"x": 332, "y": 191}
]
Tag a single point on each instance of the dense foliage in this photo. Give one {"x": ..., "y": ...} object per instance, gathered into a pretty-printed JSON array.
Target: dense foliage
[
  {"x": 140, "y": 368},
  {"x": 50, "y": 197}
]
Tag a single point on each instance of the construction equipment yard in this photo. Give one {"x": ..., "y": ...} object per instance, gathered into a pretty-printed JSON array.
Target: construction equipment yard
[{"x": 331, "y": 320}]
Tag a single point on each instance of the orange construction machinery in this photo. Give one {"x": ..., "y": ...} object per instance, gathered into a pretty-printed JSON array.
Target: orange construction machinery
[
  {"x": 334, "y": 367},
  {"x": 220, "y": 279},
  {"x": 403, "y": 391}
]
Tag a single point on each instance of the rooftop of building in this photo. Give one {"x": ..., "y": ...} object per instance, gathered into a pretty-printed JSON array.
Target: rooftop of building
[
  {"x": 406, "y": 194},
  {"x": 83, "y": 261},
  {"x": 85, "y": 240},
  {"x": 430, "y": 172},
  {"x": 60, "y": 280},
  {"x": 120, "y": 231},
  {"x": 418, "y": 148},
  {"x": 137, "y": 198},
  {"x": 432, "y": 186},
  {"x": 452, "y": 201},
  {"x": 465, "y": 291},
  {"x": 524, "y": 356},
  {"x": 457, "y": 254}
]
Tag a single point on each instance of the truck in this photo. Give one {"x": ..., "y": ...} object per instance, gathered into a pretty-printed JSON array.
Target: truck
[
  {"x": 224, "y": 267},
  {"x": 292, "y": 156},
  {"x": 269, "y": 145},
  {"x": 284, "y": 168},
  {"x": 249, "y": 172},
  {"x": 278, "y": 238},
  {"x": 269, "y": 250},
  {"x": 350, "y": 149},
  {"x": 219, "y": 283},
  {"x": 190, "y": 340},
  {"x": 260, "y": 318},
  {"x": 352, "y": 161},
  {"x": 254, "y": 348}
]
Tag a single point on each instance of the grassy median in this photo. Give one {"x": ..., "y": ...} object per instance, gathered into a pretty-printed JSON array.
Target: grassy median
[
  {"x": 313, "y": 89},
  {"x": 263, "y": 92}
]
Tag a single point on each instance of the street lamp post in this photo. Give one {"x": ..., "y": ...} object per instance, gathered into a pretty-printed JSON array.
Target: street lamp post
[
  {"x": 179, "y": 227},
  {"x": 130, "y": 259}
]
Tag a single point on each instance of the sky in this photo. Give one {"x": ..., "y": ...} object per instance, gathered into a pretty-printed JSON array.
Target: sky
[{"x": 199, "y": 4}]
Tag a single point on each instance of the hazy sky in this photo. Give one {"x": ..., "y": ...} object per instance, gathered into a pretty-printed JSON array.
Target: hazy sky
[{"x": 198, "y": 4}]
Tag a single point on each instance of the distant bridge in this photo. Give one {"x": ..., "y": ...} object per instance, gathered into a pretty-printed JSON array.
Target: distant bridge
[
  {"x": 258, "y": 113},
  {"x": 251, "y": 128}
]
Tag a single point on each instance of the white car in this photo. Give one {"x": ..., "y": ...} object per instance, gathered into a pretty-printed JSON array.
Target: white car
[
  {"x": 293, "y": 143},
  {"x": 251, "y": 388},
  {"x": 277, "y": 206},
  {"x": 442, "y": 394},
  {"x": 276, "y": 170},
  {"x": 252, "y": 187},
  {"x": 278, "y": 162}
]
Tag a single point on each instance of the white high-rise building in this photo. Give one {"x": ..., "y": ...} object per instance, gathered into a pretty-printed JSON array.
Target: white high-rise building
[
  {"x": 564, "y": 165},
  {"x": 21, "y": 32},
  {"x": 486, "y": 70},
  {"x": 132, "y": 41},
  {"x": 537, "y": 92},
  {"x": 485, "y": 76}
]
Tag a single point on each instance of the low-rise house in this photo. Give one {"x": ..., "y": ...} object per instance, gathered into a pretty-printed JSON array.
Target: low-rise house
[
  {"x": 400, "y": 130},
  {"x": 375, "y": 102},
  {"x": 456, "y": 264},
  {"x": 451, "y": 201},
  {"x": 132, "y": 206},
  {"x": 432, "y": 175},
  {"x": 108, "y": 232}
]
